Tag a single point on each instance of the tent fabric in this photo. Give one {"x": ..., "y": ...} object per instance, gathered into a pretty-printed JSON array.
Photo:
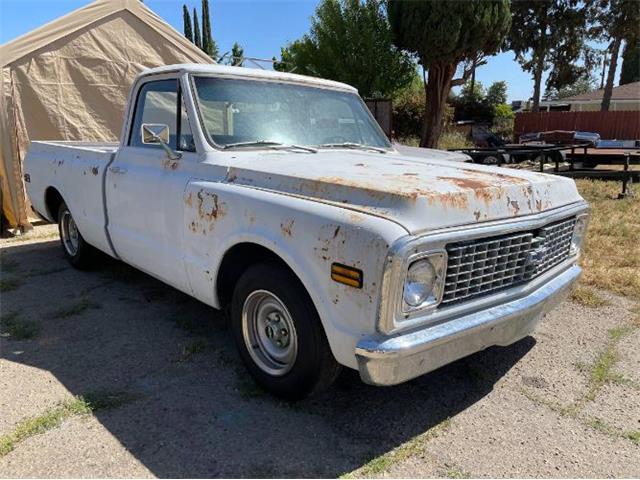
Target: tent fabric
[{"x": 69, "y": 80}]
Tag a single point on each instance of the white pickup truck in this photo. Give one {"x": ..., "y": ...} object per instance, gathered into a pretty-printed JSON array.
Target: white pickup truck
[{"x": 278, "y": 196}]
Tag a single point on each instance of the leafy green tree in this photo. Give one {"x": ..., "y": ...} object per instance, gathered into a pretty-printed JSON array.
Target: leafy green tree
[
  {"x": 630, "y": 71},
  {"x": 237, "y": 55},
  {"x": 197, "y": 38},
  {"x": 546, "y": 34},
  {"x": 613, "y": 21},
  {"x": 584, "y": 84},
  {"x": 350, "y": 41},
  {"x": 208, "y": 43},
  {"x": 497, "y": 93},
  {"x": 186, "y": 20},
  {"x": 503, "y": 120},
  {"x": 472, "y": 92},
  {"x": 442, "y": 34},
  {"x": 409, "y": 108}
]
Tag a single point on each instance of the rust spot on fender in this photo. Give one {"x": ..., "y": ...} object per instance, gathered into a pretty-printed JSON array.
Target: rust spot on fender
[
  {"x": 410, "y": 174},
  {"x": 208, "y": 208},
  {"x": 95, "y": 170},
  {"x": 336, "y": 232},
  {"x": 287, "y": 227},
  {"x": 477, "y": 215},
  {"x": 189, "y": 199}
]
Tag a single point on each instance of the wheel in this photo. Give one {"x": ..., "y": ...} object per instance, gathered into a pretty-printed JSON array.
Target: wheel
[
  {"x": 279, "y": 335},
  {"x": 78, "y": 252}
]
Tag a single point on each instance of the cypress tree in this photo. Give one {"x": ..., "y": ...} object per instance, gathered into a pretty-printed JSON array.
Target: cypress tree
[
  {"x": 208, "y": 44},
  {"x": 186, "y": 19},
  {"x": 197, "y": 38}
]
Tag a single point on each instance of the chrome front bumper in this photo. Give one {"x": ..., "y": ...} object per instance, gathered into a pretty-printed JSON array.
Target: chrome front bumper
[{"x": 384, "y": 360}]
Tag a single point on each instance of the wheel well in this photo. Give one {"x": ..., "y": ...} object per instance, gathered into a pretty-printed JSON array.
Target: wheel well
[
  {"x": 52, "y": 200},
  {"x": 237, "y": 259}
]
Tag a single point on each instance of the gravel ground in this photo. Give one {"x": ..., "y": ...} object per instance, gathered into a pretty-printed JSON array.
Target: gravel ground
[{"x": 564, "y": 402}]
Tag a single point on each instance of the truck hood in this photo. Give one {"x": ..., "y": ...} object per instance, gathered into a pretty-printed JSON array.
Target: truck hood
[{"x": 420, "y": 193}]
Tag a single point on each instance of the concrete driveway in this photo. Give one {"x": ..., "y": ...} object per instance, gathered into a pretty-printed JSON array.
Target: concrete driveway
[{"x": 169, "y": 397}]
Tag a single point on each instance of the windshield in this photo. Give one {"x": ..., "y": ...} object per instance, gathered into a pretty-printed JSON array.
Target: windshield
[{"x": 246, "y": 113}]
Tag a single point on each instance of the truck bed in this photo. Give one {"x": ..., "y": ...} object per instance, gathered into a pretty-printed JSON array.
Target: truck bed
[{"x": 76, "y": 171}]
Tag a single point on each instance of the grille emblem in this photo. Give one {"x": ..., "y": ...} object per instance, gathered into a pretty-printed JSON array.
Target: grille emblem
[{"x": 535, "y": 257}]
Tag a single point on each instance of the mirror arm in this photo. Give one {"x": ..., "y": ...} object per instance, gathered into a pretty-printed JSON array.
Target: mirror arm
[{"x": 172, "y": 154}]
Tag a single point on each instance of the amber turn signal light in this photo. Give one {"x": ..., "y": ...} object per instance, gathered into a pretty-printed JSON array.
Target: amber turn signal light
[{"x": 347, "y": 275}]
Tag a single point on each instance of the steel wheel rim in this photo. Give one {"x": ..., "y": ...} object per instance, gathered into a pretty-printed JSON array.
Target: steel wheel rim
[
  {"x": 269, "y": 333},
  {"x": 69, "y": 232}
]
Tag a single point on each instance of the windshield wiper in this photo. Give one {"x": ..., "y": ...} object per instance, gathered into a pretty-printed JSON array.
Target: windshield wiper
[
  {"x": 360, "y": 146},
  {"x": 269, "y": 144}
]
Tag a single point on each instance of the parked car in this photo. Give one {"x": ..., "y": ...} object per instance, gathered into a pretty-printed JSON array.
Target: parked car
[{"x": 278, "y": 196}]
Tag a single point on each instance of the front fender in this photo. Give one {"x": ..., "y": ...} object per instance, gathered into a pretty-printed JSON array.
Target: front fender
[{"x": 308, "y": 236}]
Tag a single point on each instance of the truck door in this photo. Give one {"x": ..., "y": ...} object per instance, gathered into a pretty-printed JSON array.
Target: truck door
[{"x": 144, "y": 187}]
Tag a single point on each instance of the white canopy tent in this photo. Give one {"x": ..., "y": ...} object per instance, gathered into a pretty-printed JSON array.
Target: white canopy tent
[{"x": 69, "y": 80}]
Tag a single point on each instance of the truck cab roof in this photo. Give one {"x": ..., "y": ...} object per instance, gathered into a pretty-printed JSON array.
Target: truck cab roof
[{"x": 246, "y": 73}]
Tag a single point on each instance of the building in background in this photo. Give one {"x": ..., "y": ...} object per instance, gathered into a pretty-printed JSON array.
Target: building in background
[{"x": 624, "y": 98}]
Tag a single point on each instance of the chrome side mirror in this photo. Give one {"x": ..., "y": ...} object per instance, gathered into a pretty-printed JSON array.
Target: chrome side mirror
[
  {"x": 158, "y": 134},
  {"x": 155, "y": 133}
]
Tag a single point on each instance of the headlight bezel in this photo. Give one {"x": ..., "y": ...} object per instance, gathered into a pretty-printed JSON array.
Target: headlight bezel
[{"x": 438, "y": 260}]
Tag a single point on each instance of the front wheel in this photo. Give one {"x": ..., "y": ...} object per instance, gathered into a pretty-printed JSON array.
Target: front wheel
[
  {"x": 279, "y": 335},
  {"x": 78, "y": 252}
]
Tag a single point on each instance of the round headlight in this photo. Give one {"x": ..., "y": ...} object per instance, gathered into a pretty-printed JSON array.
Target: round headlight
[{"x": 421, "y": 278}]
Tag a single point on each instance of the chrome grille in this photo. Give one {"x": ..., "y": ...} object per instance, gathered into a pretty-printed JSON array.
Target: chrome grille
[{"x": 477, "y": 267}]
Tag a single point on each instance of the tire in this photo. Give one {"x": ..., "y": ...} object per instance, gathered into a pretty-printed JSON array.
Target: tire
[
  {"x": 78, "y": 252},
  {"x": 270, "y": 305}
]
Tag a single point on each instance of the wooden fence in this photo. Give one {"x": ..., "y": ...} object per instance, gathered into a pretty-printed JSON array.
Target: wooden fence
[{"x": 610, "y": 125}]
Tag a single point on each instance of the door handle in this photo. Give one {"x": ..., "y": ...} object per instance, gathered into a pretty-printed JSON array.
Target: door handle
[{"x": 119, "y": 170}]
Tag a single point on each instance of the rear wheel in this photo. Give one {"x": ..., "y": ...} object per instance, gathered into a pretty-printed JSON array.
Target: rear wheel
[
  {"x": 78, "y": 252},
  {"x": 279, "y": 334}
]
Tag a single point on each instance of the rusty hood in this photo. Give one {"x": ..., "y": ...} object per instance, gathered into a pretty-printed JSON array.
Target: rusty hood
[{"x": 420, "y": 194}]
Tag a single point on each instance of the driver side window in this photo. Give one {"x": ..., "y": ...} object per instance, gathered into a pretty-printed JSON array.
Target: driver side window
[{"x": 160, "y": 102}]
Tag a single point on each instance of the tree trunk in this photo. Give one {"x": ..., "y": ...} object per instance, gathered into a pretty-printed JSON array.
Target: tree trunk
[
  {"x": 436, "y": 92},
  {"x": 604, "y": 70},
  {"x": 537, "y": 81},
  {"x": 613, "y": 66},
  {"x": 473, "y": 76}
]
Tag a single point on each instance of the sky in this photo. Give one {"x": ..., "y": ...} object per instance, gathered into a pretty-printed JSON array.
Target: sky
[{"x": 260, "y": 26}]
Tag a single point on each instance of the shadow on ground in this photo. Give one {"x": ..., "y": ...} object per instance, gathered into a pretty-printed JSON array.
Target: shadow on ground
[{"x": 195, "y": 411}]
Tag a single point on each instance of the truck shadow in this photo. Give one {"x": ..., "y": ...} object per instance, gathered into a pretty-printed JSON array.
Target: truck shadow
[{"x": 191, "y": 409}]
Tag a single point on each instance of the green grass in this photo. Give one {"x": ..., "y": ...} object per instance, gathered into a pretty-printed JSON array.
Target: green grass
[
  {"x": 74, "y": 309},
  {"x": 81, "y": 405},
  {"x": 601, "y": 371},
  {"x": 408, "y": 449},
  {"x": 247, "y": 387},
  {"x": 13, "y": 328},
  {"x": 588, "y": 297},
  {"x": 8, "y": 284},
  {"x": 197, "y": 346},
  {"x": 457, "y": 473}
]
